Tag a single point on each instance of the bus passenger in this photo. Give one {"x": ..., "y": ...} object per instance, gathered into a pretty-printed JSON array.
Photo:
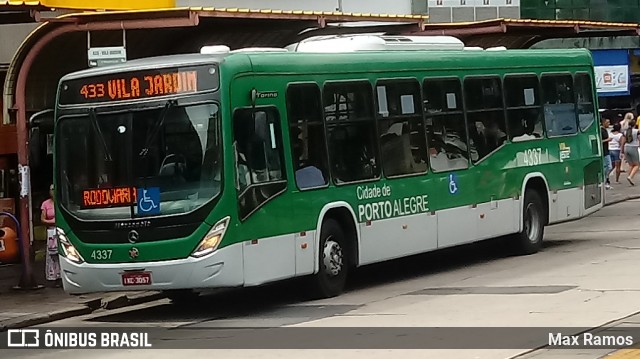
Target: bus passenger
[
  {"x": 307, "y": 175},
  {"x": 438, "y": 158}
]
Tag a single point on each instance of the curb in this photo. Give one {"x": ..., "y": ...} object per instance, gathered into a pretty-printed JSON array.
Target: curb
[
  {"x": 624, "y": 199},
  {"x": 122, "y": 301},
  {"x": 113, "y": 302}
]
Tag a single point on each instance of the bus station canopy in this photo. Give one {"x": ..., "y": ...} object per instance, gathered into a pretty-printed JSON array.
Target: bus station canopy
[{"x": 60, "y": 44}]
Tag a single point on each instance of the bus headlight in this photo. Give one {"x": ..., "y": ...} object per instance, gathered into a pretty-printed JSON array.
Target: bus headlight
[
  {"x": 211, "y": 241},
  {"x": 68, "y": 249}
]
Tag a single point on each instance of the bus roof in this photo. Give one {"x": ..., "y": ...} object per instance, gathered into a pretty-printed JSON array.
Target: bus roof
[
  {"x": 416, "y": 59},
  {"x": 264, "y": 61}
]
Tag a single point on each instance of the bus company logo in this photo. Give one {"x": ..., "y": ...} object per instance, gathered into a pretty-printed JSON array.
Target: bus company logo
[
  {"x": 133, "y": 236},
  {"x": 267, "y": 94},
  {"x": 129, "y": 225},
  {"x": 23, "y": 338},
  {"x": 134, "y": 253}
]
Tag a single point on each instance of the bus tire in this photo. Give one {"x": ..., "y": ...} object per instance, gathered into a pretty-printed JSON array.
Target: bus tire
[
  {"x": 333, "y": 261},
  {"x": 529, "y": 240}
]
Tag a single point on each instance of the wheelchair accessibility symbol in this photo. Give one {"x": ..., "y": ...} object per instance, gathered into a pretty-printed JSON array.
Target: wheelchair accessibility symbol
[
  {"x": 453, "y": 184},
  {"x": 149, "y": 201}
]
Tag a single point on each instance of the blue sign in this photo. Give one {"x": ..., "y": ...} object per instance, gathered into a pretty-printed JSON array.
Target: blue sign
[
  {"x": 149, "y": 201},
  {"x": 611, "y": 68},
  {"x": 453, "y": 184}
]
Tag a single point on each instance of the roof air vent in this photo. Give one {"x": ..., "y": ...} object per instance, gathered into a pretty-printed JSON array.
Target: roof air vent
[{"x": 214, "y": 50}]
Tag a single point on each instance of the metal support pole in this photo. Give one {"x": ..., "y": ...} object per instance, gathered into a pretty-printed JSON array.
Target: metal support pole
[
  {"x": 27, "y": 280},
  {"x": 25, "y": 256}
]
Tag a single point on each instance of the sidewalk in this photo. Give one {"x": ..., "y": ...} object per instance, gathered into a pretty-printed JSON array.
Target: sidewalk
[
  {"x": 20, "y": 309},
  {"x": 622, "y": 192},
  {"x": 23, "y": 308}
]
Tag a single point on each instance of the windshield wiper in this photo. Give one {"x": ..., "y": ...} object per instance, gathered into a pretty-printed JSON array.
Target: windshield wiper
[
  {"x": 96, "y": 127},
  {"x": 145, "y": 150}
]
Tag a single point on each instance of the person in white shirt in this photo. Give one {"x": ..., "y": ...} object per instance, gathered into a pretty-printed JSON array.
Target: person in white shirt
[{"x": 615, "y": 146}]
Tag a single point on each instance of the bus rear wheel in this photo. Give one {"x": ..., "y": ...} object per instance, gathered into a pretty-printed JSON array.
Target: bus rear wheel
[
  {"x": 529, "y": 240},
  {"x": 334, "y": 261}
]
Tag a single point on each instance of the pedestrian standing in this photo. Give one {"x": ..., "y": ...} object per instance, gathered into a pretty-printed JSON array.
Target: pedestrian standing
[
  {"x": 604, "y": 124},
  {"x": 631, "y": 154},
  {"x": 615, "y": 147},
  {"x": 624, "y": 126},
  {"x": 52, "y": 261}
]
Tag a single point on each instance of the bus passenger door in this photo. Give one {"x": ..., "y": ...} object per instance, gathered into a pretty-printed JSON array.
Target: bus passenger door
[{"x": 260, "y": 179}]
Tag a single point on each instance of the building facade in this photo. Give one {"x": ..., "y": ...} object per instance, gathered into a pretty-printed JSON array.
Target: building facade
[
  {"x": 467, "y": 10},
  {"x": 595, "y": 10}
]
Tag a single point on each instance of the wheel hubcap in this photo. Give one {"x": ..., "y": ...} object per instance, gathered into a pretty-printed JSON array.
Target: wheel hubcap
[
  {"x": 332, "y": 257},
  {"x": 532, "y": 223}
]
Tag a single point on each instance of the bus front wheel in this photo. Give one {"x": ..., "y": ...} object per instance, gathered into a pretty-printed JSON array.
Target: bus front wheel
[
  {"x": 334, "y": 261},
  {"x": 529, "y": 240}
]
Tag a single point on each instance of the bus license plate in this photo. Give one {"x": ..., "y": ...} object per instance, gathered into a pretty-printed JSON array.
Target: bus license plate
[{"x": 141, "y": 278}]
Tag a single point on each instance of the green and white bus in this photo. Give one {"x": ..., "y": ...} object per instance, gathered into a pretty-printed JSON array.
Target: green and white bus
[{"x": 240, "y": 168}]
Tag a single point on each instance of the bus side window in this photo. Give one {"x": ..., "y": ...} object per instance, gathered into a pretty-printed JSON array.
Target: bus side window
[
  {"x": 307, "y": 136},
  {"x": 524, "y": 115},
  {"x": 351, "y": 131},
  {"x": 485, "y": 115},
  {"x": 584, "y": 98},
  {"x": 559, "y": 105},
  {"x": 402, "y": 134},
  {"x": 258, "y": 155},
  {"x": 445, "y": 125}
]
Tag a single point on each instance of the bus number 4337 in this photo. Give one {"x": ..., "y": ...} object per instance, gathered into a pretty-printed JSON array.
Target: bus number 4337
[
  {"x": 101, "y": 254},
  {"x": 532, "y": 156}
]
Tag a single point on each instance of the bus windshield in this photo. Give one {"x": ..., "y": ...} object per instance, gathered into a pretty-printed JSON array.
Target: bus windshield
[{"x": 170, "y": 155}]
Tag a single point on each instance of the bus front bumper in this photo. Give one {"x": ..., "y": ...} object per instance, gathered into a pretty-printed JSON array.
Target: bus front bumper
[{"x": 223, "y": 268}]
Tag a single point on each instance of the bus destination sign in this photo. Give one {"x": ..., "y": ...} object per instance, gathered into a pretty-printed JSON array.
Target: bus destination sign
[
  {"x": 138, "y": 85},
  {"x": 109, "y": 197}
]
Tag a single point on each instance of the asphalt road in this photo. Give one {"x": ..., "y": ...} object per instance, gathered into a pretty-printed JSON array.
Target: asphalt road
[{"x": 586, "y": 276}]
